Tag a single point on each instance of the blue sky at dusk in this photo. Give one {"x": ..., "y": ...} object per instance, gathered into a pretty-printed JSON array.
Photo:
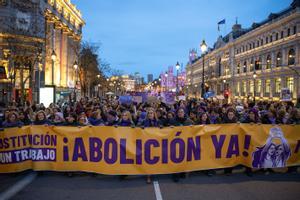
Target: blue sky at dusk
[{"x": 148, "y": 36}]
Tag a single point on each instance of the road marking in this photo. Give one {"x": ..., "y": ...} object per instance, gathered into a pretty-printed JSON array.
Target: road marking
[
  {"x": 157, "y": 190},
  {"x": 20, "y": 185}
]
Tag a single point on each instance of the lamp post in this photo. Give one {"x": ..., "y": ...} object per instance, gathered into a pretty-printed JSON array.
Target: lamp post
[
  {"x": 177, "y": 69},
  {"x": 203, "y": 47},
  {"x": 254, "y": 87},
  {"x": 11, "y": 77},
  {"x": 53, "y": 58},
  {"x": 76, "y": 77},
  {"x": 224, "y": 81},
  {"x": 166, "y": 75}
]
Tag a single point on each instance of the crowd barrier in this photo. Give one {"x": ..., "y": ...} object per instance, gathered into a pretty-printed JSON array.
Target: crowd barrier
[{"x": 126, "y": 150}]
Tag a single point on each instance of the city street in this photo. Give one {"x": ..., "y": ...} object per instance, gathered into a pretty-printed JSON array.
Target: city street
[{"x": 50, "y": 185}]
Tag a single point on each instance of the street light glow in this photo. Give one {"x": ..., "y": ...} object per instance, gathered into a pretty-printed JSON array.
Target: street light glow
[
  {"x": 177, "y": 66},
  {"x": 203, "y": 46},
  {"x": 254, "y": 75},
  {"x": 75, "y": 65},
  {"x": 53, "y": 56}
]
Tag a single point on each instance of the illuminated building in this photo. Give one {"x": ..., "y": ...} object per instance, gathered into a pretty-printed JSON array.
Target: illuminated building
[
  {"x": 268, "y": 51},
  {"x": 30, "y": 33}
]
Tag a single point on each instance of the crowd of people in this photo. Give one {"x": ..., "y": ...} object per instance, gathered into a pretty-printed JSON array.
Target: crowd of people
[{"x": 111, "y": 112}]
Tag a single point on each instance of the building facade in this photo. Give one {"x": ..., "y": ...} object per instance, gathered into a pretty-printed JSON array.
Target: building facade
[
  {"x": 149, "y": 78},
  {"x": 169, "y": 80},
  {"x": 39, "y": 44},
  {"x": 258, "y": 61}
]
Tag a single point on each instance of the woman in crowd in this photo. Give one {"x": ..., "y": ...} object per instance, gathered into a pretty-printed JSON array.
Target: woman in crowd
[
  {"x": 12, "y": 121},
  {"x": 24, "y": 117},
  {"x": 252, "y": 117},
  {"x": 58, "y": 119},
  {"x": 96, "y": 118},
  {"x": 71, "y": 120},
  {"x": 151, "y": 119},
  {"x": 126, "y": 119},
  {"x": 41, "y": 119}
]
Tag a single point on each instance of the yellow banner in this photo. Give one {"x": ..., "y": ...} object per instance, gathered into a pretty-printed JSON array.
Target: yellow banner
[{"x": 124, "y": 150}]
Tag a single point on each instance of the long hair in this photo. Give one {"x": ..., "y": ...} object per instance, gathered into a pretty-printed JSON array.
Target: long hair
[
  {"x": 260, "y": 153},
  {"x": 285, "y": 155}
]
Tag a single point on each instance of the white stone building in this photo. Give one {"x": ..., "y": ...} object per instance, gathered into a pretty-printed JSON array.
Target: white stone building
[{"x": 270, "y": 49}]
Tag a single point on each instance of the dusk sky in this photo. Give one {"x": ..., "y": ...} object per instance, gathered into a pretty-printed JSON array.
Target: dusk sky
[{"x": 147, "y": 36}]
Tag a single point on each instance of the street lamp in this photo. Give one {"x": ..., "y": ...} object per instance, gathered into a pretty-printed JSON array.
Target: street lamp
[
  {"x": 75, "y": 65},
  {"x": 224, "y": 81},
  {"x": 53, "y": 58},
  {"x": 166, "y": 82},
  {"x": 177, "y": 69},
  {"x": 254, "y": 89},
  {"x": 203, "y": 47},
  {"x": 98, "y": 76}
]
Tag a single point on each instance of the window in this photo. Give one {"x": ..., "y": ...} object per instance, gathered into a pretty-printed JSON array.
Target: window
[
  {"x": 291, "y": 55},
  {"x": 245, "y": 67},
  {"x": 261, "y": 42},
  {"x": 288, "y": 32},
  {"x": 268, "y": 66},
  {"x": 271, "y": 38},
  {"x": 278, "y": 59},
  {"x": 276, "y": 36},
  {"x": 290, "y": 83},
  {"x": 253, "y": 45},
  {"x": 258, "y": 64},
  {"x": 257, "y": 44},
  {"x": 282, "y": 34},
  {"x": 295, "y": 30},
  {"x": 250, "y": 46},
  {"x": 251, "y": 66},
  {"x": 238, "y": 69},
  {"x": 268, "y": 86},
  {"x": 258, "y": 86},
  {"x": 238, "y": 87},
  {"x": 251, "y": 86},
  {"x": 277, "y": 85},
  {"x": 220, "y": 67},
  {"x": 267, "y": 40},
  {"x": 244, "y": 87}
]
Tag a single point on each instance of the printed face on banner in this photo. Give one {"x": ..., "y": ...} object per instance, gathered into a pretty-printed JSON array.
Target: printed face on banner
[{"x": 274, "y": 153}]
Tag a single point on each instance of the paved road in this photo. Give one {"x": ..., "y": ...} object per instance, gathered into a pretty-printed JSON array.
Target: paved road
[{"x": 197, "y": 186}]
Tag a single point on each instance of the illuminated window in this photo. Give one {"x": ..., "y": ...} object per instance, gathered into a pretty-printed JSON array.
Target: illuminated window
[
  {"x": 238, "y": 87},
  {"x": 251, "y": 86},
  {"x": 268, "y": 86},
  {"x": 290, "y": 83},
  {"x": 291, "y": 55},
  {"x": 277, "y": 85},
  {"x": 251, "y": 66},
  {"x": 245, "y": 67},
  {"x": 244, "y": 88},
  {"x": 258, "y": 86},
  {"x": 238, "y": 69},
  {"x": 278, "y": 60}
]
